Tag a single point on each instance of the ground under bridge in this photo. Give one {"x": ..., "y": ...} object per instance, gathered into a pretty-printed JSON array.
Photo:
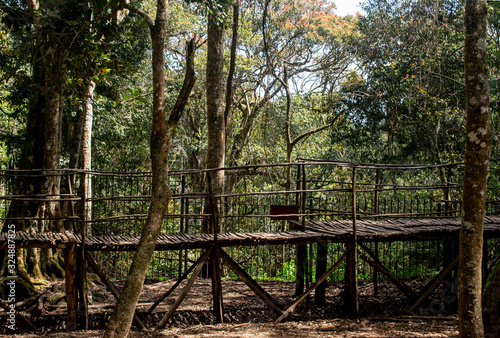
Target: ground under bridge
[{"x": 360, "y": 207}]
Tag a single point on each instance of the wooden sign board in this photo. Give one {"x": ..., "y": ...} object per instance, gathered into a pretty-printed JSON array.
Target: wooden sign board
[{"x": 284, "y": 212}]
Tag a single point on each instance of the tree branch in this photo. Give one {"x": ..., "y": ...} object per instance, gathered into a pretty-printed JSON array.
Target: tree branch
[
  {"x": 187, "y": 86},
  {"x": 141, "y": 13},
  {"x": 232, "y": 65},
  {"x": 313, "y": 131}
]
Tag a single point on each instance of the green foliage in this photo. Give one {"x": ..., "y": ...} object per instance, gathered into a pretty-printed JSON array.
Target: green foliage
[
  {"x": 406, "y": 104},
  {"x": 287, "y": 271}
]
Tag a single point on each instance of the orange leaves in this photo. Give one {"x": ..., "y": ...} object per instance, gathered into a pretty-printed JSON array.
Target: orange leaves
[{"x": 314, "y": 19}]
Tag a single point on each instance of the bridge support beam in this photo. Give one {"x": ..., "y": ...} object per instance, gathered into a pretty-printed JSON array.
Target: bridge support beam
[
  {"x": 70, "y": 286},
  {"x": 300, "y": 269},
  {"x": 351, "y": 292},
  {"x": 321, "y": 264}
]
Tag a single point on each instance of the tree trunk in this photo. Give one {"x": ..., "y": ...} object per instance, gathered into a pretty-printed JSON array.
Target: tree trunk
[
  {"x": 42, "y": 150},
  {"x": 477, "y": 155},
  {"x": 86, "y": 143},
  {"x": 161, "y": 136},
  {"x": 215, "y": 105},
  {"x": 121, "y": 319}
]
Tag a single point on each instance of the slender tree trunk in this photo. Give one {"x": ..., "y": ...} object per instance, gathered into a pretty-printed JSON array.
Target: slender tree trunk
[
  {"x": 477, "y": 155},
  {"x": 161, "y": 136},
  {"x": 86, "y": 142},
  {"x": 232, "y": 67},
  {"x": 121, "y": 319}
]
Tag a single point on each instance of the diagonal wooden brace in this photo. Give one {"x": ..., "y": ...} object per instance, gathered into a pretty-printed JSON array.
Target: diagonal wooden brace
[
  {"x": 408, "y": 291},
  {"x": 184, "y": 292},
  {"x": 310, "y": 289},
  {"x": 251, "y": 283}
]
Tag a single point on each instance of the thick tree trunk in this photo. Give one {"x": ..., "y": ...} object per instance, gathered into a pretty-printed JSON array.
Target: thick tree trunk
[
  {"x": 477, "y": 155},
  {"x": 42, "y": 150},
  {"x": 215, "y": 105}
]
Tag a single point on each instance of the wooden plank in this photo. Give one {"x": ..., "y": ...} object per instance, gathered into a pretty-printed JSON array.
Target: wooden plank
[
  {"x": 251, "y": 283},
  {"x": 184, "y": 292},
  {"x": 434, "y": 285},
  {"x": 310, "y": 289}
]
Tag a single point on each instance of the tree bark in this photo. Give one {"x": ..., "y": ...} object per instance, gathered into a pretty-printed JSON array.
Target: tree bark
[
  {"x": 42, "y": 145},
  {"x": 161, "y": 136},
  {"x": 232, "y": 67},
  {"x": 86, "y": 142},
  {"x": 477, "y": 156},
  {"x": 216, "y": 150}
]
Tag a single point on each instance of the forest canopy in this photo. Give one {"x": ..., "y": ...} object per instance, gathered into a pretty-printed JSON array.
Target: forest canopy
[{"x": 383, "y": 86}]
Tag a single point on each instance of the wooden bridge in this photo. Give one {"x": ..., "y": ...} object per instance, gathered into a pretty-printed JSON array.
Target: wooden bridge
[
  {"x": 354, "y": 225},
  {"x": 331, "y": 231}
]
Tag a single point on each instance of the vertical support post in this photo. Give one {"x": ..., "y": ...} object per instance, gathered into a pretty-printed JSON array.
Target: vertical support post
[
  {"x": 485, "y": 261},
  {"x": 70, "y": 286},
  {"x": 181, "y": 226},
  {"x": 301, "y": 249},
  {"x": 351, "y": 301},
  {"x": 186, "y": 230},
  {"x": 376, "y": 211},
  {"x": 81, "y": 273},
  {"x": 215, "y": 255},
  {"x": 303, "y": 198},
  {"x": 321, "y": 265},
  {"x": 450, "y": 246},
  {"x": 303, "y": 212},
  {"x": 447, "y": 193}
]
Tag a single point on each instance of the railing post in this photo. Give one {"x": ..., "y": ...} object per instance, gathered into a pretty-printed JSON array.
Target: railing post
[
  {"x": 321, "y": 268},
  {"x": 376, "y": 211},
  {"x": 450, "y": 246},
  {"x": 215, "y": 254},
  {"x": 80, "y": 254},
  {"x": 351, "y": 301},
  {"x": 301, "y": 249},
  {"x": 310, "y": 245},
  {"x": 181, "y": 226},
  {"x": 70, "y": 279},
  {"x": 447, "y": 192}
]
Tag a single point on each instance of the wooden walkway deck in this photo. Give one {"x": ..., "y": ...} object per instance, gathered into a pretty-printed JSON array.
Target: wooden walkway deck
[{"x": 326, "y": 231}]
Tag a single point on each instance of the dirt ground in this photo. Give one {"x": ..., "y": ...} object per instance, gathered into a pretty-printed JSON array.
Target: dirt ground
[{"x": 245, "y": 315}]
